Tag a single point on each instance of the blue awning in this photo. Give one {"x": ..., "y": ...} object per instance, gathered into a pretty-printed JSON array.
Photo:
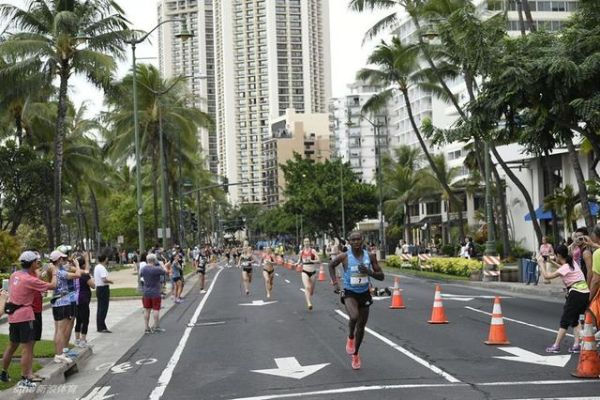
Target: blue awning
[{"x": 540, "y": 213}]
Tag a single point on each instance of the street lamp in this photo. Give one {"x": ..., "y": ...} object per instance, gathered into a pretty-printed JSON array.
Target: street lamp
[
  {"x": 184, "y": 34},
  {"x": 376, "y": 126}
]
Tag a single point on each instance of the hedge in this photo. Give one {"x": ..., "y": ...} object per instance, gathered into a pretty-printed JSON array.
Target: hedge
[{"x": 448, "y": 265}]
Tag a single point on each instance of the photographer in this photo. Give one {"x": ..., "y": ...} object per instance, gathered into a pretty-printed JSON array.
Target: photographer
[
  {"x": 24, "y": 285},
  {"x": 177, "y": 275},
  {"x": 151, "y": 300},
  {"x": 582, "y": 252},
  {"x": 64, "y": 303}
]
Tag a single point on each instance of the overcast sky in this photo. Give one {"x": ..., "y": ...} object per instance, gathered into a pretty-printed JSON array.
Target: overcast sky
[{"x": 347, "y": 53}]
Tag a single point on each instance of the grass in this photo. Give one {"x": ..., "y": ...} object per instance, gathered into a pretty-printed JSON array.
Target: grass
[
  {"x": 125, "y": 292},
  {"x": 429, "y": 274},
  {"x": 14, "y": 371},
  {"x": 42, "y": 349}
]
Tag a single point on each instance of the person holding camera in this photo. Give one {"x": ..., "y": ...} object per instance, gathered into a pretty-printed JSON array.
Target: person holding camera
[
  {"x": 582, "y": 252},
  {"x": 176, "y": 267},
  {"x": 102, "y": 292},
  {"x": 577, "y": 295},
  {"x": 64, "y": 303},
  {"x": 546, "y": 252},
  {"x": 24, "y": 285},
  {"x": 84, "y": 296},
  {"x": 151, "y": 300},
  {"x": 359, "y": 267}
]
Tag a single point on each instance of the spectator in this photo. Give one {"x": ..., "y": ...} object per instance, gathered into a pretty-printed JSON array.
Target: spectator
[
  {"x": 546, "y": 252},
  {"x": 102, "y": 293},
  {"x": 594, "y": 243},
  {"x": 23, "y": 285},
  {"x": 142, "y": 264},
  {"x": 582, "y": 252},
  {"x": 464, "y": 251},
  {"x": 577, "y": 297},
  {"x": 177, "y": 276},
  {"x": 64, "y": 303},
  {"x": 86, "y": 284},
  {"x": 471, "y": 247},
  {"x": 151, "y": 299}
]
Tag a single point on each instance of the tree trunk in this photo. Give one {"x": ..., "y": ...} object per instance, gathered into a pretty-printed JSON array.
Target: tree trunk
[
  {"x": 548, "y": 177},
  {"x": 501, "y": 193},
  {"x": 583, "y": 195},
  {"x": 96, "y": 218},
  {"x": 520, "y": 14},
  {"x": 49, "y": 228},
  {"x": 155, "y": 196},
  {"x": 527, "y": 10},
  {"x": 524, "y": 192},
  {"x": 406, "y": 223},
  {"x": 19, "y": 130},
  {"x": 59, "y": 145}
]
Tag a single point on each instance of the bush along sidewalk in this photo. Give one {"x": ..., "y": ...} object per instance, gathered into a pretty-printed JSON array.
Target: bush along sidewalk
[{"x": 452, "y": 266}]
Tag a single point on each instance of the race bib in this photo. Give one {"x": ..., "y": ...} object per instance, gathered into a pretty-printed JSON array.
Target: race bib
[{"x": 359, "y": 280}]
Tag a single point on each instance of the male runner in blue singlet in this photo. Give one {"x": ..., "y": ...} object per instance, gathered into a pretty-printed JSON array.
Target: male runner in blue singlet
[{"x": 359, "y": 266}]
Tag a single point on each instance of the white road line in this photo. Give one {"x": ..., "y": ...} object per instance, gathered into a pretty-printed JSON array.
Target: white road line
[
  {"x": 167, "y": 373},
  {"x": 407, "y": 353},
  {"x": 517, "y": 321},
  {"x": 559, "y": 398},
  {"x": 287, "y": 281},
  {"x": 303, "y": 290},
  {"x": 350, "y": 390},
  {"x": 416, "y": 386}
]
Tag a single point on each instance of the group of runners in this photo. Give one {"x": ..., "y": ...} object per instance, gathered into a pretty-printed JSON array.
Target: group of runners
[{"x": 353, "y": 286}]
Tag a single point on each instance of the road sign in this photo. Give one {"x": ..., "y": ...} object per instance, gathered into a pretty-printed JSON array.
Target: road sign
[
  {"x": 120, "y": 239},
  {"x": 522, "y": 355},
  {"x": 159, "y": 234},
  {"x": 289, "y": 367},
  {"x": 258, "y": 303}
]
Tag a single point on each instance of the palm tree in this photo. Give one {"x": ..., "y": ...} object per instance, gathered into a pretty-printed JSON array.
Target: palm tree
[
  {"x": 53, "y": 31},
  {"x": 159, "y": 108},
  {"x": 398, "y": 70},
  {"x": 563, "y": 203}
]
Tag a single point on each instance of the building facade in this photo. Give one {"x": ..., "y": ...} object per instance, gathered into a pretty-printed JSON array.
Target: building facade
[
  {"x": 193, "y": 59},
  {"x": 270, "y": 55}
]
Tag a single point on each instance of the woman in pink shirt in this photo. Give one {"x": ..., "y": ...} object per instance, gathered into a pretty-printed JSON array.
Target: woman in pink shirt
[
  {"x": 23, "y": 287},
  {"x": 577, "y": 295}
]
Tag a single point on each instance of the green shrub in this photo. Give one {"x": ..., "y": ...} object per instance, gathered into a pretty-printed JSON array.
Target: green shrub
[
  {"x": 9, "y": 251},
  {"x": 450, "y": 250},
  {"x": 451, "y": 265}
]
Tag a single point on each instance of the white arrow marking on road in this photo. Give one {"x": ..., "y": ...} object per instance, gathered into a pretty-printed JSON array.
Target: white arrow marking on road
[
  {"x": 451, "y": 297},
  {"x": 121, "y": 368},
  {"x": 287, "y": 281},
  {"x": 289, "y": 367},
  {"x": 98, "y": 393},
  {"x": 105, "y": 365},
  {"x": 276, "y": 274},
  {"x": 378, "y": 298},
  {"x": 258, "y": 303},
  {"x": 522, "y": 355},
  {"x": 460, "y": 297}
]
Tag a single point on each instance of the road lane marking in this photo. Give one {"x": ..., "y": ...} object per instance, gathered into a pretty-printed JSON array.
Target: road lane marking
[
  {"x": 289, "y": 367},
  {"x": 517, "y": 321},
  {"x": 407, "y": 353},
  {"x": 167, "y": 374},
  {"x": 522, "y": 355},
  {"x": 413, "y": 386},
  {"x": 258, "y": 303},
  {"x": 352, "y": 390},
  {"x": 287, "y": 281}
]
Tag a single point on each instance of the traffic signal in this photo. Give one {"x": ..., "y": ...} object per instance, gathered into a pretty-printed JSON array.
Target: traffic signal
[{"x": 226, "y": 184}]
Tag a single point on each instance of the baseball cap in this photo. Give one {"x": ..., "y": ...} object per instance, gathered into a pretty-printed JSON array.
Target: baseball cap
[
  {"x": 29, "y": 256},
  {"x": 55, "y": 255}
]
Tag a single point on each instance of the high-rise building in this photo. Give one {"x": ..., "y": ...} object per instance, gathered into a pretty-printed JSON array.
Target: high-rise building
[
  {"x": 354, "y": 135},
  {"x": 270, "y": 55},
  {"x": 192, "y": 58}
]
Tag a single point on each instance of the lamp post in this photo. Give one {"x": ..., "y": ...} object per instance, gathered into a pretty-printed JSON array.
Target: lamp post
[
  {"x": 185, "y": 34},
  {"x": 376, "y": 126}
]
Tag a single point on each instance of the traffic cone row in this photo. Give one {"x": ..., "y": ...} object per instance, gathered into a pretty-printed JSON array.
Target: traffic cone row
[{"x": 589, "y": 360}]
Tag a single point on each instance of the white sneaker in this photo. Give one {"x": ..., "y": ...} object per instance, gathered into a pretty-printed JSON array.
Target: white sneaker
[
  {"x": 61, "y": 358},
  {"x": 77, "y": 343}
]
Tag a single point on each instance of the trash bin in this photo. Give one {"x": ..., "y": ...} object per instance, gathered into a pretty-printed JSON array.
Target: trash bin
[
  {"x": 522, "y": 270},
  {"x": 531, "y": 275}
]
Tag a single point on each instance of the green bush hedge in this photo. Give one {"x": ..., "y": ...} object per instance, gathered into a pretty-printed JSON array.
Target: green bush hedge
[{"x": 451, "y": 265}]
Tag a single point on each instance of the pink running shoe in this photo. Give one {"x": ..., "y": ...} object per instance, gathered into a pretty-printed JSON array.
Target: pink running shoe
[
  {"x": 356, "y": 361},
  {"x": 350, "y": 346}
]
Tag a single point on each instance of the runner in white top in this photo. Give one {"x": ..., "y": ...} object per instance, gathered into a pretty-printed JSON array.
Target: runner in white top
[{"x": 309, "y": 259}]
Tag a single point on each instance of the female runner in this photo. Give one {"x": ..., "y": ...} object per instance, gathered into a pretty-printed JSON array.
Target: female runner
[
  {"x": 308, "y": 258},
  {"x": 245, "y": 262},
  {"x": 268, "y": 263}
]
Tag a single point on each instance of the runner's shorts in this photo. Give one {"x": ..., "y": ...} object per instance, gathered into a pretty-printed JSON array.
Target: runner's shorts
[{"x": 363, "y": 299}]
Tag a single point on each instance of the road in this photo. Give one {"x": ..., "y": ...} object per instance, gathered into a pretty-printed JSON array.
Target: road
[{"x": 219, "y": 344}]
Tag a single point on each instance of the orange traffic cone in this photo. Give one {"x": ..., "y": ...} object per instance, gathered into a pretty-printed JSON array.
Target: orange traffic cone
[
  {"x": 397, "y": 301},
  {"x": 589, "y": 360},
  {"x": 497, "y": 331},
  {"x": 438, "y": 315},
  {"x": 322, "y": 277}
]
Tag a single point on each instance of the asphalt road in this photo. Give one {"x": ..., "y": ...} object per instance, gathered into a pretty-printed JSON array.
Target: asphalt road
[{"x": 216, "y": 342}]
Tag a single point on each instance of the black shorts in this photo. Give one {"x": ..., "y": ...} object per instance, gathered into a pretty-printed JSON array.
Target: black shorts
[
  {"x": 65, "y": 312},
  {"x": 37, "y": 326},
  {"x": 363, "y": 299},
  {"x": 202, "y": 270},
  {"x": 177, "y": 279},
  {"x": 21, "y": 332},
  {"x": 575, "y": 305},
  {"x": 248, "y": 270},
  {"x": 309, "y": 273}
]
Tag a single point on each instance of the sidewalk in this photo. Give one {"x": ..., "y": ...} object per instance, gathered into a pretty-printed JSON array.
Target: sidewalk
[{"x": 124, "y": 319}]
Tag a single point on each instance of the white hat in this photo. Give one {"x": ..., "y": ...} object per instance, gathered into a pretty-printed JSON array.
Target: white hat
[
  {"x": 29, "y": 256},
  {"x": 55, "y": 255}
]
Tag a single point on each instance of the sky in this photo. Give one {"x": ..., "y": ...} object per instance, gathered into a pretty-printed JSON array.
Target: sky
[{"x": 348, "y": 54}]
